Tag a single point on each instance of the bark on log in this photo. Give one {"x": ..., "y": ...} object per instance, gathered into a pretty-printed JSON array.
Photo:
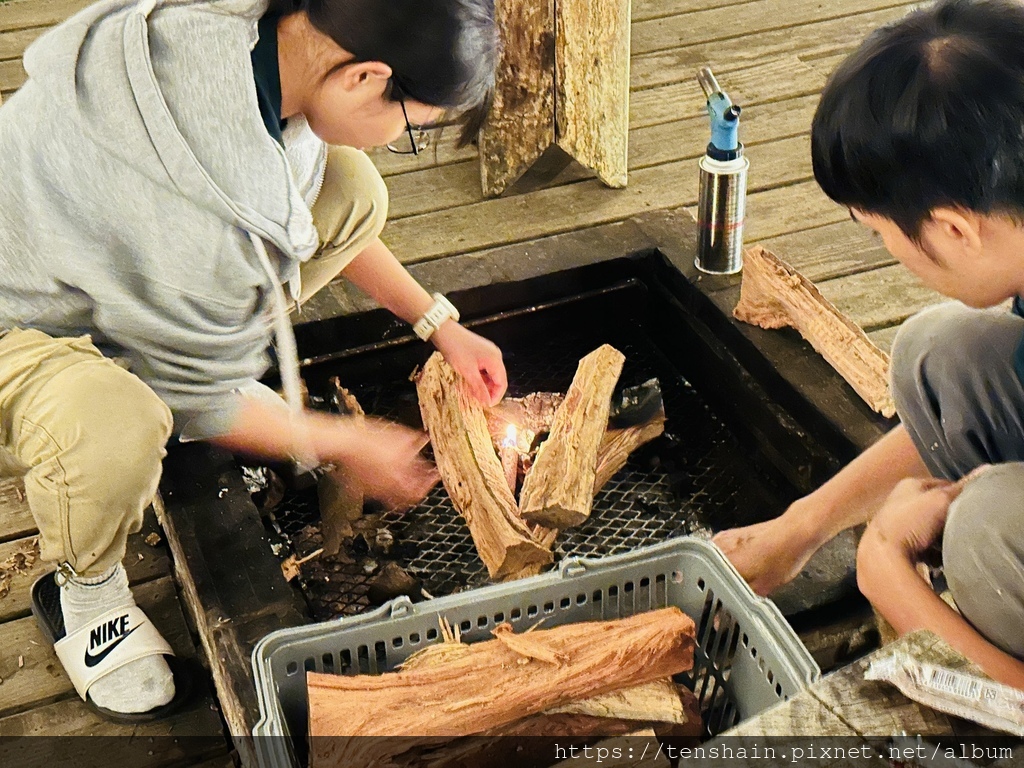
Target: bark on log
[
  {"x": 473, "y": 475},
  {"x": 488, "y": 685},
  {"x": 774, "y": 295},
  {"x": 521, "y": 123},
  {"x": 592, "y": 84},
  {"x": 559, "y": 490}
]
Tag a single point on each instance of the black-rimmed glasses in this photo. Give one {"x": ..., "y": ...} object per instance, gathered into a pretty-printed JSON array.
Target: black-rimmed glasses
[{"x": 415, "y": 139}]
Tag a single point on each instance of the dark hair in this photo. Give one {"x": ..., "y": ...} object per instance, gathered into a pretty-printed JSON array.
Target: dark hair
[
  {"x": 442, "y": 52},
  {"x": 928, "y": 112}
]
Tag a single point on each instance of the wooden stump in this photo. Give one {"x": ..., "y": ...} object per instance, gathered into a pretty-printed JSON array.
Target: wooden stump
[
  {"x": 774, "y": 295},
  {"x": 559, "y": 490},
  {"x": 563, "y": 78}
]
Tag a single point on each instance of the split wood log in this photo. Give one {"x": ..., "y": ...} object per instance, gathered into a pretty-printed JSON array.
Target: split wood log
[
  {"x": 562, "y": 78},
  {"x": 473, "y": 476},
  {"x": 618, "y": 444},
  {"x": 592, "y": 84},
  {"x": 774, "y": 295},
  {"x": 339, "y": 492},
  {"x": 559, "y": 489},
  {"x": 660, "y": 701},
  {"x": 532, "y": 415},
  {"x": 488, "y": 685},
  {"x": 521, "y": 122}
]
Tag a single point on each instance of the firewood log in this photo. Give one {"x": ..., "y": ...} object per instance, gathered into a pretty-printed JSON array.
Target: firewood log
[
  {"x": 774, "y": 295},
  {"x": 489, "y": 684},
  {"x": 655, "y": 702},
  {"x": 618, "y": 444},
  {"x": 473, "y": 475},
  {"x": 559, "y": 489}
]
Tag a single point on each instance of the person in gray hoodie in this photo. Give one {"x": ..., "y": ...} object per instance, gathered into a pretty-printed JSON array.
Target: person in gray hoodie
[{"x": 175, "y": 177}]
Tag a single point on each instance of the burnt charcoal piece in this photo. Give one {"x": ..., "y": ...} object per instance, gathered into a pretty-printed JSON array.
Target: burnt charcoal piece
[{"x": 391, "y": 581}]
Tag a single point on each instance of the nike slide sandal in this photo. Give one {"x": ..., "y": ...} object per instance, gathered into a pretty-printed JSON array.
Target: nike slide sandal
[{"x": 108, "y": 642}]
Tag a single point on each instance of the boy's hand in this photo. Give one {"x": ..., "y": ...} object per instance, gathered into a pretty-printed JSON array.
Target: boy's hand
[
  {"x": 385, "y": 459},
  {"x": 914, "y": 515},
  {"x": 476, "y": 359}
]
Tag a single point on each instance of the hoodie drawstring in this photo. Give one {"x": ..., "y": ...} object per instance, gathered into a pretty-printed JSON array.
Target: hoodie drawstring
[{"x": 288, "y": 364}]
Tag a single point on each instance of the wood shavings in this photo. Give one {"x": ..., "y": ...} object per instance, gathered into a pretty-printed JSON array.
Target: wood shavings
[
  {"x": 528, "y": 647},
  {"x": 153, "y": 539},
  {"x": 291, "y": 566},
  {"x": 18, "y": 563}
]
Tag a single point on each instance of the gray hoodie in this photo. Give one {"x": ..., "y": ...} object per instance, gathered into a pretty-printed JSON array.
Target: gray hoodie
[{"x": 138, "y": 186}]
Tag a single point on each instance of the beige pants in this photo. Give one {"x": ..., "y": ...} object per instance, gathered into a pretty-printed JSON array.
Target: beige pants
[{"x": 89, "y": 436}]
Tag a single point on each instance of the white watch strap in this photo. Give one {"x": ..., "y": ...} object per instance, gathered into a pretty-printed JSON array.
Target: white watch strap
[{"x": 440, "y": 311}]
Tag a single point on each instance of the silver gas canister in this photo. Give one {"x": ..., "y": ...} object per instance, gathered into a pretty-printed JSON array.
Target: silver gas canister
[{"x": 721, "y": 206}]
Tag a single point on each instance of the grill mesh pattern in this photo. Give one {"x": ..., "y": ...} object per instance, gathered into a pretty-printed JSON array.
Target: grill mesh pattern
[{"x": 692, "y": 480}]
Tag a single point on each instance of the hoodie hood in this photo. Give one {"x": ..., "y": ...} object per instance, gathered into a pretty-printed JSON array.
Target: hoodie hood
[
  {"x": 138, "y": 186},
  {"x": 140, "y": 79}
]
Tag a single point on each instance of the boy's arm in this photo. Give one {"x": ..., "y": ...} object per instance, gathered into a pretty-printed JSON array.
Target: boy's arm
[
  {"x": 886, "y": 574},
  {"x": 384, "y": 457},
  {"x": 378, "y": 273},
  {"x": 772, "y": 553}
]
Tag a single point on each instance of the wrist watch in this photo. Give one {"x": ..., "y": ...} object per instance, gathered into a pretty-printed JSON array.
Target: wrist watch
[{"x": 441, "y": 310}]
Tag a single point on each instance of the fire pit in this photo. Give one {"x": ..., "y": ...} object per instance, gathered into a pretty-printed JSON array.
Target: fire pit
[
  {"x": 701, "y": 476},
  {"x": 754, "y": 419}
]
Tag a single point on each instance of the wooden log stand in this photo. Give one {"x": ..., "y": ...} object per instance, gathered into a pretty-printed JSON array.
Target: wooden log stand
[
  {"x": 563, "y": 79},
  {"x": 774, "y": 295}
]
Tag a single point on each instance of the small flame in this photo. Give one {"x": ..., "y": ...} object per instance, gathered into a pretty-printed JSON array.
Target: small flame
[{"x": 511, "y": 437}]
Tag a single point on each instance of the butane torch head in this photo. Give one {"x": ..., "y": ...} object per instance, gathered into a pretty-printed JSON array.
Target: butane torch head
[{"x": 724, "y": 115}]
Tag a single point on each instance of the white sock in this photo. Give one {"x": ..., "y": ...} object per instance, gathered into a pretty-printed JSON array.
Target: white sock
[{"x": 136, "y": 687}]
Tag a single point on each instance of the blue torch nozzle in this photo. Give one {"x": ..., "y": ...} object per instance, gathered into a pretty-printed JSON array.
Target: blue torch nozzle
[{"x": 724, "y": 115}]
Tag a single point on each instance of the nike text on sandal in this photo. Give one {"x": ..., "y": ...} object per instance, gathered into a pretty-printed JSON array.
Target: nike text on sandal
[{"x": 108, "y": 642}]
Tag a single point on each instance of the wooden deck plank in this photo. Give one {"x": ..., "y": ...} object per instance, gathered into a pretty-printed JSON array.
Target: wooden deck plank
[
  {"x": 734, "y": 21},
  {"x": 12, "y": 75},
  {"x": 761, "y": 52},
  {"x": 455, "y": 185},
  {"x": 831, "y": 251},
  {"x": 884, "y": 337},
  {"x": 810, "y": 40},
  {"x": 14, "y": 42},
  {"x": 143, "y": 563},
  {"x": 658, "y": 115},
  {"x": 656, "y": 9},
  {"x": 880, "y": 298},
  {"x": 40, "y": 679},
  {"x": 788, "y": 209},
  {"x": 20, "y": 14},
  {"x": 15, "y": 517},
  {"x": 772, "y": 80},
  {"x": 560, "y": 209}
]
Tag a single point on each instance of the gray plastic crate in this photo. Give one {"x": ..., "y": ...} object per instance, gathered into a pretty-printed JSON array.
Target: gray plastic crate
[{"x": 748, "y": 658}]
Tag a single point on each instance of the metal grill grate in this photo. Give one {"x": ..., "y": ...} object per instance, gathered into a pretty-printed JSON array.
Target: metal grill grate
[{"x": 692, "y": 480}]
